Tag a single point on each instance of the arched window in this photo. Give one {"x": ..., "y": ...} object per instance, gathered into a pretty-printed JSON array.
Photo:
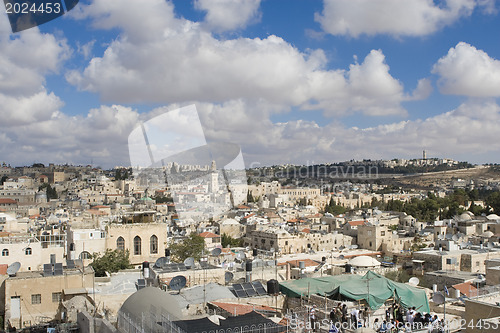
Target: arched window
[
  {"x": 28, "y": 251},
  {"x": 137, "y": 245},
  {"x": 153, "y": 245},
  {"x": 72, "y": 247},
  {"x": 120, "y": 243},
  {"x": 5, "y": 253},
  {"x": 85, "y": 255}
]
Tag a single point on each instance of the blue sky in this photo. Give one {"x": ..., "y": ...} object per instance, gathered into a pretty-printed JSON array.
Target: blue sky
[{"x": 290, "y": 81}]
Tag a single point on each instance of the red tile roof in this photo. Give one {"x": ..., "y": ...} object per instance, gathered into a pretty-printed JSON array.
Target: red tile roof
[
  {"x": 466, "y": 288},
  {"x": 355, "y": 223},
  {"x": 3, "y": 269},
  {"x": 208, "y": 234},
  {"x": 241, "y": 309},
  {"x": 308, "y": 262},
  {"x": 8, "y": 201},
  {"x": 307, "y": 230}
]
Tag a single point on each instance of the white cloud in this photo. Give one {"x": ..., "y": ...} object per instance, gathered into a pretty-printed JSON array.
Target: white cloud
[
  {"x": 394, "y": 17},
  {"x": 228, "y": 15},
  {"x": 468, "y": 71},
  {"x": 26, "y": 58},
  {"x": 183, "y": 62}
]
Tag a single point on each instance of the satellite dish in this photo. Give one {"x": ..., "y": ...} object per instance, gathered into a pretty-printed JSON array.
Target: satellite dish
[
  {"x": 215, "y": 318},
  {"x": 241, "y": 255},
  {"x": 455, "y": 238},
  {"x": 341, "y": 257},
  {"x": 438, "y": 298},
  {"x": 178, "y": 282},
  {"x": 440, "y": 236},
  {"x": 463, "y": 245},
  {"x": 228, "y": 276},
  {"x": 352, "y": 247},
  {"x": 13, "y": 268},
  {"x": 161, "y": 262},
  {"x": 272, "y": 249},
  {"x": 216, "y": 252},
  {"x": 414, "y": 281},
  {"x": 342, "y": 248},
  {"x": 189, "y": 262}
]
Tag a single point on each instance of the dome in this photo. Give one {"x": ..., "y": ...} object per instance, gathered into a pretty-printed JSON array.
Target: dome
[
  {"x": 493, "y": 217},
  {"x": 465, "y": 217},
  {"x": 487, "y": 234},
  {"x": 230, "y": 221},
  {"x": 364, "y": 261},
  {"x": 150, "y": 297}
]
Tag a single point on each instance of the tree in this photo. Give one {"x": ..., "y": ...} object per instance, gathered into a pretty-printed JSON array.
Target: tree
[
  {"x": 49, "y": 190},
  {"x": 111, "y": 261},
  {"x": 227, "y": 240},
  {"x": 493, "y": 201},
  {"x": 192, "y": 246}
]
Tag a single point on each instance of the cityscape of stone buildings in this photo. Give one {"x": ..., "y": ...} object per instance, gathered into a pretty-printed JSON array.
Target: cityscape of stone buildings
[{"x": 284, "y": 230}]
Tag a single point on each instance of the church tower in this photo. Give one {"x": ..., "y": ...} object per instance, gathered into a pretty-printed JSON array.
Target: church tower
[{"x": 214, "y": 179}]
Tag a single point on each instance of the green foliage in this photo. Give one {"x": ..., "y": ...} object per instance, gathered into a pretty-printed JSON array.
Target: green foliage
[
  {"x": 334, "y": 209},
  {"x": 111, "y": 261},
  {"x": 228, "y": 241},
  {"x": 192, "y": 246},
  {"x": 398, "y": 276},
  {"x": 121, "y": 174},
  {"x": 250, "y": 198},
  {"x": 3, "y": 180},
  {"x": 49, "y": 190},
  {"x": 493, "y": 201},
  {"x": 162, "y": 199}
]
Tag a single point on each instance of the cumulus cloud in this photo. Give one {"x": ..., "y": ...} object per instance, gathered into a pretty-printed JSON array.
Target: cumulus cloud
[
  {"x": 184, "y": 62},
  {"x": 100, "y": 135},
  {"x": 228, "y": 15},
  {"x": 394, "y": 17},
  {"x": 468, "y": 71},
  {"x": 26, "y": 59}
]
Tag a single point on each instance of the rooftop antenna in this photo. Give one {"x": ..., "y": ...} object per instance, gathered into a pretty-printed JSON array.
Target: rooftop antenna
[
  {"x": 13, "y": 268},
  {"x": 177, "y": 283},
  {"x": 228, "y": 276},
  {"x": 414, "y": 281}
]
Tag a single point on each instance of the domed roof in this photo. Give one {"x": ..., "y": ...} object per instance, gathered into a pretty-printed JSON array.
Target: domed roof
[
  {"x": 230, "y": 221},
  {"x": 493, "y": 217},
  {"x": 487, "y": 234},
  {"x": 143, "y": 300},
  {"x": 465, "y": 217},
  {"x": 364, "y": 261}
]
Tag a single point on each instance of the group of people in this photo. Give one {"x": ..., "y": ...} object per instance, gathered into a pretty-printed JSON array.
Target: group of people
[{"x": 397, "y": 319}]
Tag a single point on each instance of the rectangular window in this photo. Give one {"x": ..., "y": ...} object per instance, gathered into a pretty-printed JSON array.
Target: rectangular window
[
  {"x": 56, "y": 297},
  {"x": 477, "y": 263},
  {"x": 448, "y": 261},
  {"x": 36, "y": 299}
]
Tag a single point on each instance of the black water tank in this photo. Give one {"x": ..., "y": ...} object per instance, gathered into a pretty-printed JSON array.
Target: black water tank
[
  {"x": 248, "y": 266},
  {"x": 254, "y": 252},
  {"x": 167, "y": 252},
  {"x": 145, "y": 265},
  {"x": 273, "y": 287},
  {"x": 323, "y": 259},
  {"x": 348, "y": 268}
]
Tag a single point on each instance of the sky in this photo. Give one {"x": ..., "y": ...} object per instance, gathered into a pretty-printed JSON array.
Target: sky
[{"x": 291, "y": 82}]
